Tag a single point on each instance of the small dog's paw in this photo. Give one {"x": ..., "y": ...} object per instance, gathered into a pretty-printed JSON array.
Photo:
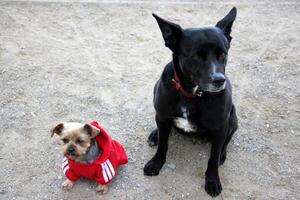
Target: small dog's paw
[
  {"x": 102, "y": 189},
  {"x": 67, "y": 185},
  {"x": 152, "y": 139},
  {"x": 213, "y": 186},
  {"x": 153, "y": 167}
]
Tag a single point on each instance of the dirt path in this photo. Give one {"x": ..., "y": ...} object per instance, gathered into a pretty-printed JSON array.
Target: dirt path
[{"x": 99, "y": 61}]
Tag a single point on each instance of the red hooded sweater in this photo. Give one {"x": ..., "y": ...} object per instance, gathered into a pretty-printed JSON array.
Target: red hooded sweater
[{"x": 104, "y": 168}]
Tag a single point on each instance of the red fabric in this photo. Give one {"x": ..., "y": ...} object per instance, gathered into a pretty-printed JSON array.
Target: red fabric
[
  {"x": 179, "y": 88},
  {"x": 104, "y": 168}
]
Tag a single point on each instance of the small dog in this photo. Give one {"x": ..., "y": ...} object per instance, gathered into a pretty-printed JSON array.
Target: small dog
[
  {"x": 193, "y": 94},
  {"x": 90, "y": 153}
]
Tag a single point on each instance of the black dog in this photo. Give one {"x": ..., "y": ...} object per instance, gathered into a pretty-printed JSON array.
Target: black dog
[{"x": 194, "y": 95}]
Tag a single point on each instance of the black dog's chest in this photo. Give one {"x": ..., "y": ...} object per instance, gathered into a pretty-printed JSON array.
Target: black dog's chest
[{"x": 188, "y": 117}]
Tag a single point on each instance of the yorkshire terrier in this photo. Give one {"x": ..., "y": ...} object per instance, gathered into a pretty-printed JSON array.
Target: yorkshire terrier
[{"x": 89, "y": 152}]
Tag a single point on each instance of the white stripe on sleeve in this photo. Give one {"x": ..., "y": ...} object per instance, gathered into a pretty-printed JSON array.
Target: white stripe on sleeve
[
  {"x": 104, "y": 173},
  {"x": 64, "y": 164},
  {"x": 66, "y": 168},
  {"x": 107, "y": 171},
  {"x": 111, "y": 167}
]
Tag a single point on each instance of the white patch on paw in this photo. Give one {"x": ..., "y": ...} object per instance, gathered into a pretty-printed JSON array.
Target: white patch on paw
[{"x": 67, "y": 184}]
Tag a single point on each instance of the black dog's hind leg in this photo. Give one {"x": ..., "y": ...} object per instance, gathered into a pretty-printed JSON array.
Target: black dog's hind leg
[
  {"x": 233, "y": 125},
  {"x": 154, "y": 165},
  {"x": 152, "y": 139},
  {"x": 224, "y": 150}
]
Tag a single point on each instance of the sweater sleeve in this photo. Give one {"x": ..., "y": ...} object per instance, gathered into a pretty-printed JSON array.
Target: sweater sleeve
[
  {"x": 106, "y": 172},
  {"x": 67, "y": 171}
]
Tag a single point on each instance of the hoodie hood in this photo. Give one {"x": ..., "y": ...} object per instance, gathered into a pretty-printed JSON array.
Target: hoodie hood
[{"x": 104, "y": 142}]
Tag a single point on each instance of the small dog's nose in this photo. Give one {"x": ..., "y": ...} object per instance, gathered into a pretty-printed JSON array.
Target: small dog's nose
[
  {"x": 218, "y": 79},
  {"x": 71, "y": 149}
]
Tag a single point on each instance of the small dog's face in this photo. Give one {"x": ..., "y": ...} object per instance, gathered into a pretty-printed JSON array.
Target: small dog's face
[
  {"x": 201, "y": 52},
  {"x": 75, "y": 138}
]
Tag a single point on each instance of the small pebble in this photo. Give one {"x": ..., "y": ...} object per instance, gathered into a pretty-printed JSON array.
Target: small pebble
[
  {"x": 171, "y": 166},
  {"x": 33, "y": 115}
]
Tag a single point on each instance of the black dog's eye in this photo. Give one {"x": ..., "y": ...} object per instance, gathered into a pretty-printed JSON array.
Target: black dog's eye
[
  {"x": 65, "y": 140},
  {"x": 221, "y": 55}
]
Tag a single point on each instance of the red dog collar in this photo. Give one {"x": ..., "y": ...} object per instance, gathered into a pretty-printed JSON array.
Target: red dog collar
[{"x": 179, "y": 88}]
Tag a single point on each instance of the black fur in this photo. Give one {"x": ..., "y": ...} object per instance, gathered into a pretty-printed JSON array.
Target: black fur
[{"x": 199, "y": 59}]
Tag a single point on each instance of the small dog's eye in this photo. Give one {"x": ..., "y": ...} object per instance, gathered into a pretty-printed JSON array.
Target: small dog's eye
[
  {"x": 79, "y": 141},
  {"x": 65, "y": 140}
]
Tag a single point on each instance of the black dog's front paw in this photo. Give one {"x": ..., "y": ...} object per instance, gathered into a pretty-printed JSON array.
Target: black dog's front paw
[
  {"x": 153, "y": 167},
  {"x": 152, "y": 139},
  {"x": 213, "y": 186}
]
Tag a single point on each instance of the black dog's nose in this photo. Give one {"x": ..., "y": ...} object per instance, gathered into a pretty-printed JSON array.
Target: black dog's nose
[
  {"x": 71, "y": 150},
  {"x": 218, "y": 79}
]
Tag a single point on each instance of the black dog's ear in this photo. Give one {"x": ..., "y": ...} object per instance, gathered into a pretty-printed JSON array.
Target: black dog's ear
[
  {"x": 171, "y": 33},
  {"x": 226, "y": 23}
]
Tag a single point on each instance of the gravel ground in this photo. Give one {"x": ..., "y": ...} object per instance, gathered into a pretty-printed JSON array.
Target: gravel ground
[{"x": 99, "y": 60}]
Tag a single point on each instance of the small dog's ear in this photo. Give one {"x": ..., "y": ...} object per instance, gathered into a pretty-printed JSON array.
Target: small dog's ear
[
  {"x": 171, "y": 33},
  {"x": 57, "y": 129},
  {"x": 91, "y": 130},
  {"x": 226, "y": 23}
]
